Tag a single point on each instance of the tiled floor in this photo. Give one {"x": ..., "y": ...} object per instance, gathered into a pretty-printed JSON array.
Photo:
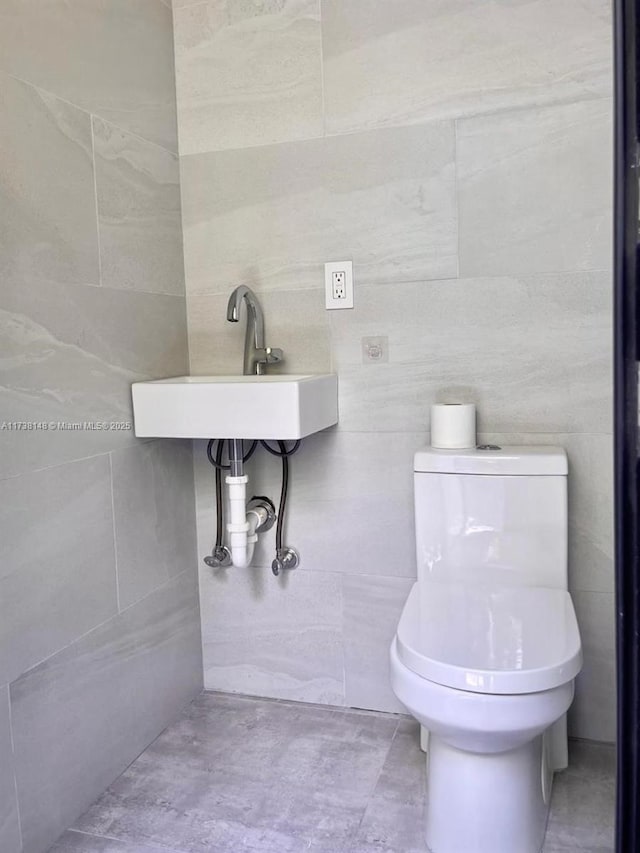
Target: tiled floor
[{"x": 242, "y": 775}]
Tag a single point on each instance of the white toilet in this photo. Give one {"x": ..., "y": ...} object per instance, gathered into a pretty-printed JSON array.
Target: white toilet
[{"x": 488, "y": 646}]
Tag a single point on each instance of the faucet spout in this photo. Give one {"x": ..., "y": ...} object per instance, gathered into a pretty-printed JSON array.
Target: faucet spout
[{"x": 256, "y": 354}]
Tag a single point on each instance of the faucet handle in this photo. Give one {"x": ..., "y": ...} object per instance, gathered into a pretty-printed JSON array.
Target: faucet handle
[{"x": 273, "y": 355}]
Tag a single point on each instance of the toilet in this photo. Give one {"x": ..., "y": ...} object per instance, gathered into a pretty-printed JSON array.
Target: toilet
[{"x": 488, "y": 646}]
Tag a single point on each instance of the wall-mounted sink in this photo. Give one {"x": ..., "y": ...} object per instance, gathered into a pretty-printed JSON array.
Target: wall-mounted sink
[{"x": 267, "y": 407}]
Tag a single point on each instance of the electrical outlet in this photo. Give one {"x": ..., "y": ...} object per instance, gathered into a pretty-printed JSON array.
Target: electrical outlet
[{"x": 338, "y": 281}]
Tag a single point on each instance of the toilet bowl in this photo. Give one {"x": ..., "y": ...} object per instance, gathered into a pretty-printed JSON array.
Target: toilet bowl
[
  {"x": 488, "y": 645},
  {"x": 487, "y": 698}
]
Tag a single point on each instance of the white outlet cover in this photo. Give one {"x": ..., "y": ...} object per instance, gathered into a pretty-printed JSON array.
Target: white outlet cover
[{"x": 338, "y": 266}]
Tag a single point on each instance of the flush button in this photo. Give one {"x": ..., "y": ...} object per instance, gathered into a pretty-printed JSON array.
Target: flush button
[{"x": 488, "y": 447}]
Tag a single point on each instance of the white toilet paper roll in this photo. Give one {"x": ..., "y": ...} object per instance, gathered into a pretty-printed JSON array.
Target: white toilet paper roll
[{"x": 453, "y": 425}]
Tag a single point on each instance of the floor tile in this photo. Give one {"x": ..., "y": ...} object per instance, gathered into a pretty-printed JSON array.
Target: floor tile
[
  {"x": 249, "y": 775},
  {"x": 583, "y": 802}
]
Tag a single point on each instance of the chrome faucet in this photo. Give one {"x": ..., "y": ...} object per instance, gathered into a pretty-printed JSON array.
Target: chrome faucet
[{"x": 256, "y": 354}]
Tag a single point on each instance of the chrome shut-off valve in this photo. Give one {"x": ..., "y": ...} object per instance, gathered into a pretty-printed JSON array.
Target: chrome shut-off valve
[
  {"x": 286, "y": 558},
  {"x": 220, "y": 558}
]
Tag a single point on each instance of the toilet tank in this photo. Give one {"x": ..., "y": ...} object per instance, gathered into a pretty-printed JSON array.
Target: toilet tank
[{"x": 495, "y": 515}]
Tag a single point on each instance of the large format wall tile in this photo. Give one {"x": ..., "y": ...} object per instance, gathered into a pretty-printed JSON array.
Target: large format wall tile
[
  {"x": 154, "y": 511},
  {"x": 270, "y": 217},
  {"x": 110, "y": 57},
  {"x": 268, "y": 636},
  {"x": 533, "y": 353},
  {"x": 296, "y": 321},
  {"x": 106, "y": 696},
  {"x": 70, "y": 355},
  {"x": 372, "y": 608},
  {"x": 48, "y": 225},
  {"x": 248, "y": 73},
  {"x": 590, "y": 503},
  {"x": 535, "y": 190},
  {"x": 141, "y": 332},
  {"x": 593, "y": 713},
  {"x": 57, "y": 578},
  {"x": 402, "y": 61},
  {"x": 351, "y": 502},
  {"x": 591, "y": 551},
  {"x": 48, "y": 382},
  {"x": 10, "y": 841},
  {"x": 138, "y": 212}
]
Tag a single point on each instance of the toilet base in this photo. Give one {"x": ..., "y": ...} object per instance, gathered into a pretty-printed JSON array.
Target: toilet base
[{"x": 486, "y": 803}]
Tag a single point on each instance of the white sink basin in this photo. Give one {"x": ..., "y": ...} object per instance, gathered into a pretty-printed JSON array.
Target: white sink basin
[{"x": 269, "y": 407}]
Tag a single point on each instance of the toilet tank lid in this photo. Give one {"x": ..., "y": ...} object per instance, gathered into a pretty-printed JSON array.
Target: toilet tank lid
[{"x": 490, "y": 459}]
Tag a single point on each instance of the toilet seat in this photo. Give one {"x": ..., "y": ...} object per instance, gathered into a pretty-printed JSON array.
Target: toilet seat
[{"x": 490, "y": 639}]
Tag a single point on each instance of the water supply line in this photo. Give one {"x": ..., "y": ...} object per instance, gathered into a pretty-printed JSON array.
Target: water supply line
[
  {"x": 245, "y": 535},
  {"x": 248, "y": 519},
  {"x": 220, "y": 558},
  {"x": 286, "y": 557}
]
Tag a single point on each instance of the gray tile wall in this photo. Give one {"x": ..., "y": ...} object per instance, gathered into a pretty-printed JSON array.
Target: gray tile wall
[
  {"x": 99, "y": 615},
  {"x": 459, "y": 153}
]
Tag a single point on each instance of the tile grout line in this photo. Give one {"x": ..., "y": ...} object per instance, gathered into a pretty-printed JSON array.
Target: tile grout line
[
  {"x": 186, "y": 292},
  {"x": 97, "y": 627},
  {"x": 132, "y": 133},
  {"x": 109, "y": 288},
  {"x": 69, "y": 461},
  {"x": 427, "y": 120},
  {"x": 456, "y": 189},
  {"x": 85, "y": 110},
  {"x": 516, "y": 276},
  {"x": 15, "y": 775},
  {"x": 189, "y": 5},
  {"x": 115, "y": 837},
  {"x": 343, "y": 640},
  {"x": 95, "y": 196},
  {"x": 300, "y": 703},
  {"x": 375, "y": 785},
  {"x": 322, "y": 92},
  {"x": 113, "y": 527},
  {"x": 200, "y": 546}
]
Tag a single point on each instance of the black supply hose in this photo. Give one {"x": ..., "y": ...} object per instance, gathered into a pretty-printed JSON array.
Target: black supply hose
[
  {"x": 218, "y": 463},
  {"x": 283, "y": 450},
  {"x": 219, "y": 519},
  {"x": 284, "y": 454},
  {"x": 283, "y": 496}
]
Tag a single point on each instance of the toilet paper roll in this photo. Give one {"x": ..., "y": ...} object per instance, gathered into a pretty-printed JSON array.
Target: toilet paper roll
[{"x": 453, "y": 425}]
